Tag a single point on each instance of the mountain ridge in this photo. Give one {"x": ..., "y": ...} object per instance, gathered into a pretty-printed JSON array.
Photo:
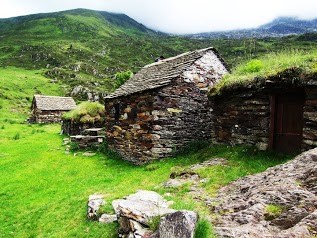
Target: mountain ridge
[{"x": 278, "y": 27}]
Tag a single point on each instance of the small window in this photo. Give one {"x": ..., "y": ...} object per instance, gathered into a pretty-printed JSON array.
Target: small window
[
  {"x": 134, "y": 114},
  {"x": 117, "y": 111}
]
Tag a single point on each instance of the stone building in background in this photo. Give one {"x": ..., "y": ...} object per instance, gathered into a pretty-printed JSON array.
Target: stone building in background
[
  {"x": 164, "y": 106},
  {"x": 49, "y": 109}
]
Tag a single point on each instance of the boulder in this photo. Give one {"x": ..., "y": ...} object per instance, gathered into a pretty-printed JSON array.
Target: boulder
[
  {"x": 95, "y": 201},
  {"x": 106, "y": 218},
  {"x": 242, "y": 207},
  {"x": 136, "y": 212},
  {"x": 180, "y": 224}
]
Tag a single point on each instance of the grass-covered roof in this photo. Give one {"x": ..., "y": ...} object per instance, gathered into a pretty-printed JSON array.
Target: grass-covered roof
[{"x": 286, "y": 67}]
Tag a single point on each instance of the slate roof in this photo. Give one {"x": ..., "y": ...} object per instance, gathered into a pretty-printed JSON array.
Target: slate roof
[
  {"x": 160, "y": 73},
  {"x": 53, "y": 103}
]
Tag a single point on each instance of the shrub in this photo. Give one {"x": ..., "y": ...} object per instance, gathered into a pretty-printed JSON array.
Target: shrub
[
  {"x": 122, "y": 77},
  {"x": 86, "y": 112},
  {"x": 254, "y": 66}
]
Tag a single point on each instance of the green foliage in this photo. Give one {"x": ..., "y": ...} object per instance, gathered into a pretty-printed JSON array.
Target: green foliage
[
  {"x": 253, "y": 66},
  {"x": 204, "y": 229},
  {"x": 122, "y": 77},
  {"x": 86, "y": 112}
]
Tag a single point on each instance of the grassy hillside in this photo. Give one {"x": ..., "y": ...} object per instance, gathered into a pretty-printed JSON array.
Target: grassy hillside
[
  {"x": 84, "y": 47},
  {"x": 17, "y": 87}
]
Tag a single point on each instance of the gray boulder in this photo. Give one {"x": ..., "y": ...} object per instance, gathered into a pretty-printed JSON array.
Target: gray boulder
[
  {"x": 180, "y": 224},
  {"x": 136, "y": 211},
  {"x": 95, "y": 201}
]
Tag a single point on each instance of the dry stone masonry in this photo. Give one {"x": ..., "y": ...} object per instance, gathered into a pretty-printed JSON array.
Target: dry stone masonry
[
  {"x": 251, "y": 114},
  {"x": 164, "y": 106}
]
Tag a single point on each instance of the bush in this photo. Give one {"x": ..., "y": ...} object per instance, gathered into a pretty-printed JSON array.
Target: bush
[
  {"x": 253, "y": 66},
  {"x": 86, "y": 112},
  {"x": 122, "y": 77}
]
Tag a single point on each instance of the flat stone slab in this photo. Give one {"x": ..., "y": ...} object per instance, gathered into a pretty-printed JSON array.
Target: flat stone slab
[{"x": 142, "y": 206}]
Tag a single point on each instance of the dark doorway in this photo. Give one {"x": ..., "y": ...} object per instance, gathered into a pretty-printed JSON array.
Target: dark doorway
[{"x": 287, "y": 122}]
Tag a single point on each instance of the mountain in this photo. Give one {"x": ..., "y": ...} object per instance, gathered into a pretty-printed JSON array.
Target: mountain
[
  {"x": 279, "y": 27},
  {"x": 84, "y": 49}
]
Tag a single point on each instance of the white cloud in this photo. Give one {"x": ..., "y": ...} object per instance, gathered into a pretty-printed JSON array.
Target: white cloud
[{"x": 177, "y": 16}]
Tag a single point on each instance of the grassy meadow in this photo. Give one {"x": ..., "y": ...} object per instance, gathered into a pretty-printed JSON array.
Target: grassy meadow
[{"x": 44, "y": 189}]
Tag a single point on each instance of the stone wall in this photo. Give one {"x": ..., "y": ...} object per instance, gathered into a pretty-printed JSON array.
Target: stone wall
[
  {"x": 242, "y": 119},
  {"x": 129, "y": 126},
  {"x": 310, "y": 119},
  {"x": 39, "y": 116},
  {"x": 156, "y": 123},
  {"x": 71, "y": 128}
]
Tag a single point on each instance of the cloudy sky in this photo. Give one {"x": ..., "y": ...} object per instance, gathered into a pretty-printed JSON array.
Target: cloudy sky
[{"x": 177, "y": 16}]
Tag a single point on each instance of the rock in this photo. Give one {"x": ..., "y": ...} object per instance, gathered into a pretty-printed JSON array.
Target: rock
[
  {"x": 95, "y": 201},
  {"x": 180, "y": 224},
  {"x": 106, "y": 219},
  {"x": 142, "y": 206},
  {"x": 89, "y": 154},
  {"x": 242, "y": 206},
  {"x": 136, "y": 211}
]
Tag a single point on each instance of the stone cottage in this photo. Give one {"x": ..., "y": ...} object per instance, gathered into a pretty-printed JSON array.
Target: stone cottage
[
  {"x": 49, "y": 109},
  {"x": 164, "y": 106},
  {"x": 278, "y": 112}
]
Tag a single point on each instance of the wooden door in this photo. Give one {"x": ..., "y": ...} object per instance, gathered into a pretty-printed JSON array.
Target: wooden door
[{"x": 288, "y": 122}]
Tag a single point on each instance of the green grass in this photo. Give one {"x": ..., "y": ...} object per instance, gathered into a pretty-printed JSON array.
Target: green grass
[
  {"x": 17, "y": 87},
  {"x": 44, "y": 191},
  {"x": 86, "y": 112},
  {"x": 268, "y": 65}
]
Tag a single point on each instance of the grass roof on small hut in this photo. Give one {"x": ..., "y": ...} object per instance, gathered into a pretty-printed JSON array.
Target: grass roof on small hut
[
  {"x": 86, "y": 112},
  {"x": 286, "y": 67}
]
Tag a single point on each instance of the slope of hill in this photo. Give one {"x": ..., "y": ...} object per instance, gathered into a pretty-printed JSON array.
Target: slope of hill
[
  {"x": 279, "y": 27},
  {"x": 83, "y": 49}
]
